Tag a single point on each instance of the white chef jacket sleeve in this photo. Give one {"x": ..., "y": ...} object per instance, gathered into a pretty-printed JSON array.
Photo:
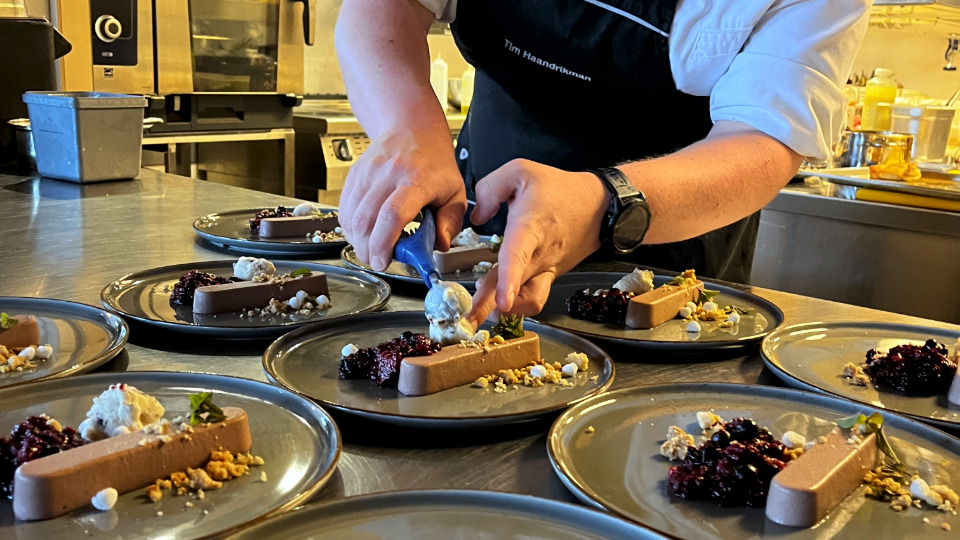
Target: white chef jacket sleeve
[
  {"x": 443, "y": 10},
  {"x": 786, "y": 80}
]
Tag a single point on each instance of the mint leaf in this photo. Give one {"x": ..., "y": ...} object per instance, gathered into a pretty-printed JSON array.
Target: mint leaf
[
  {"x": 300, "y": 272},
  {"x": 706, "y": 295},
  {"x": 7, "y": 321},
  {"x": 676, "y": 281},
  {"x": 848, "y": 422},
  {"x": 203, "y": 403},
  {"x": 495, "y": 243},
  {"x": 509, "y": 326}
]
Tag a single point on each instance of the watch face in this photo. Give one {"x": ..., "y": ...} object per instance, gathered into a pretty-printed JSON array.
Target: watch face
[{"x": 631, "y": 226}]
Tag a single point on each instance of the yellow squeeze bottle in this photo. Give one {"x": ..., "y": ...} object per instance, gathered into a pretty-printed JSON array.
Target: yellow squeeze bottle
[{"x": 880, "y": 89}]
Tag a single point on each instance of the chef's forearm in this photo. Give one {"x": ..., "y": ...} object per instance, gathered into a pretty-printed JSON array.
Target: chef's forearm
[
  {"x": 382, "y": 50},
  {"x": 731, "y": 174}
]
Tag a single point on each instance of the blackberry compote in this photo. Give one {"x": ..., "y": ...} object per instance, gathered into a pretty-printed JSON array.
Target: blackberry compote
[
  {"x": 32, "y": 439},
  {"x": 183, "y": 290},
  {"x": 281, "y": 211},
  {"x": 912, "y": 369},
  {"x": 382, "y": 363},
  {"x": 733, "y": 468},
  {"x": 603, "y": 306}
]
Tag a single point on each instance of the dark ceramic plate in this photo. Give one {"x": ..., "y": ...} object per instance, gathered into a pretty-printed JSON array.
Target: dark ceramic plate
[
  {"x": 298, "y": 441},
  {"x": 442, "y": 514},
  {"x": 306, "y": 362},
  {"x": 617, "y": 465},
  {"x": 83, "y": 337},
  {"x": 145, "y": 296},
  {"x": 762, "y": 317},
  {"x": 231, "y": 230},
  {"x": 810, "y": 356}
]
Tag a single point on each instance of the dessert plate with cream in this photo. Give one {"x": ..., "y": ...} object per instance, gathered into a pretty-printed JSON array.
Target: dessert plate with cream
[
  {"x": 232, "y": 230},
  {"x": 812, "y": 356},
  {"x": 146, "y": 297},
  {"x": 408, "y": 515},
  {"x": 65, "y": 338},
  {"x": 755, "y": 316},
  {"x": 607, "y": 451},
  {"x": 298, "y": 442},
  {"x": 307, "y": 361}
]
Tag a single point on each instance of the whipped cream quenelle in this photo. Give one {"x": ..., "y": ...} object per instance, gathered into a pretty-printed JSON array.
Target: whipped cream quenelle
[
  {"x": 467, "y": 238},
  {"x": 446, "y": 307},
  {"x": 638, "y": 282},
  {"x": 305, "y": 209},
  {"x": 247, "y": 268},
  {"x": 117, "y": 410}
]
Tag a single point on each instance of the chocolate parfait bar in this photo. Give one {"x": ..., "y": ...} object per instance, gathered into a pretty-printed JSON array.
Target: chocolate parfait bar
[{"x": 240, "y": 295}]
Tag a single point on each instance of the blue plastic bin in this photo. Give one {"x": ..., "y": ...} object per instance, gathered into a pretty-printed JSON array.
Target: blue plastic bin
[{"x": 86, "y": 136}]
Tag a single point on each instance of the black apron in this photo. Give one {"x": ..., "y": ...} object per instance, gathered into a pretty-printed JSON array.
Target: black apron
[{"x": 577, "y": 86}]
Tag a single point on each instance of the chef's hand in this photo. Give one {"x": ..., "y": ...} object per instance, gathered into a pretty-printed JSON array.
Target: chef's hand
[
  {"x": 553, "y": 223},
  {"x": 398, "y": 175}
]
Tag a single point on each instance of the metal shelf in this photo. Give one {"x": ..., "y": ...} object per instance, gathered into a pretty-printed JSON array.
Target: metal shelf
[{"x": 906, "y": 13}]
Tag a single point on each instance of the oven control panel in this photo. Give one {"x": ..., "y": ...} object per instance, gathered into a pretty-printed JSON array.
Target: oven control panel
[{"x": 114, "y": 32}]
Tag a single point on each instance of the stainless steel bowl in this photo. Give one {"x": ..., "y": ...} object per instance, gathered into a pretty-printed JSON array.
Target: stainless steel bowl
[
  {"x": 26, "y": 154},
  {"x": 865, "y": 148}
]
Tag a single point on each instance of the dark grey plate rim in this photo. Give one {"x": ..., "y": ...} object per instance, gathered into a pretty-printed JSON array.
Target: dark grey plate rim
[
  {"x": 769, "y": 360},
  {"x": 589, "y": 496},
  {"x": 466, "y": 499},
  {"x": 262, "y": 246},
  {"x": 685, "y": 345},
  {"x": 469, "y": 284},
  {"x": 117, "y": 344},
  {"x": 293, "y": 337},
  {"x": 383, "y": 292},
  {"x": 234, "y": 384}
]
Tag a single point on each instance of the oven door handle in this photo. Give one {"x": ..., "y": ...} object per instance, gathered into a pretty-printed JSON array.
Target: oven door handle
[{"x": 309, "y": 22}]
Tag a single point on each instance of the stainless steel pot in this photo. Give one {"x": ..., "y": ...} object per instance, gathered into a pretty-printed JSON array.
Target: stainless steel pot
[{"x": 865, "y": 148}]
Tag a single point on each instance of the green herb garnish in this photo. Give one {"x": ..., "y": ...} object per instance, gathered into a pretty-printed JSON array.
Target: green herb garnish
[
  {"x": 678, "y": 280},
  {"x": 873, "y": 424},
  {"x": 203, "y": 403},
  {"x": 706, "y": 295},
  {"x": 7, "y": 321},
  {"x": 509, "y": 326},
  {"x": 300, "y": 272},
  {"x": 495, "y": 243}
]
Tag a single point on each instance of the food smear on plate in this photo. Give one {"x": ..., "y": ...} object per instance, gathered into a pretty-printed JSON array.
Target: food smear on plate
[
  {"x": 909, "y": 369},
  {"x": 634, "y": 302},
  {"x": 20, "y": 347},
  {"x": 50, "y": 470},
  {"x": 255, "y": 289}
]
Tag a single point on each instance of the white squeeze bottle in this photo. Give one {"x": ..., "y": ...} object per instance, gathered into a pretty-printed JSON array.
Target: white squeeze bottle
[
  {"x": 438, "y": 80},
  {"x": 466, "y": 88},
  {"x": 880, "y": 89}
]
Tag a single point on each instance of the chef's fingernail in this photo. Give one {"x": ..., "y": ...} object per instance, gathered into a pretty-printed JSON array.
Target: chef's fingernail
[{"x": 377, "y": 263}]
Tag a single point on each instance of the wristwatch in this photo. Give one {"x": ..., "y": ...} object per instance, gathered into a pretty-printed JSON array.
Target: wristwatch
[{"x": 626, "y": 222}]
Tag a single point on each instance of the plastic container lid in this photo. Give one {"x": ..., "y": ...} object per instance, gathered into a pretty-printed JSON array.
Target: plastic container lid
[
  {"x": 883, "y": 72},
  {"x": 85, "y": 100}
]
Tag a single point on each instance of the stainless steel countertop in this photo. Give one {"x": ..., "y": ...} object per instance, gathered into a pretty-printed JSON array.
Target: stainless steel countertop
[{"x": 63, "y": 240}]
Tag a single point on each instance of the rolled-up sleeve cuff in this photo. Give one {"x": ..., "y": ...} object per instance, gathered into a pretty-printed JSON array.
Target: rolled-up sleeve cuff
[
  {"x": 791, "y": 102},
  {"x": 443, "y": 10}
]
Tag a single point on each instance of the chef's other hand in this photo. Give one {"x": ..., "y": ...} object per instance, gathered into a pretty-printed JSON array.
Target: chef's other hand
[
  {"x": 553, "y": 223},
  {"x": 398, "y": 175}
]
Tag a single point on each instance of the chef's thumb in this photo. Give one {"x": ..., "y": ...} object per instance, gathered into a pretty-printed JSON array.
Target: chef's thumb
[{"x": 492, "y": 190}]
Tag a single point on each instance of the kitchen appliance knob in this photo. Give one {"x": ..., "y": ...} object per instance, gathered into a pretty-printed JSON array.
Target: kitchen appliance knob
[
  {"x": 343, "y": 149},
  {"x": 107, "y": 28}
]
